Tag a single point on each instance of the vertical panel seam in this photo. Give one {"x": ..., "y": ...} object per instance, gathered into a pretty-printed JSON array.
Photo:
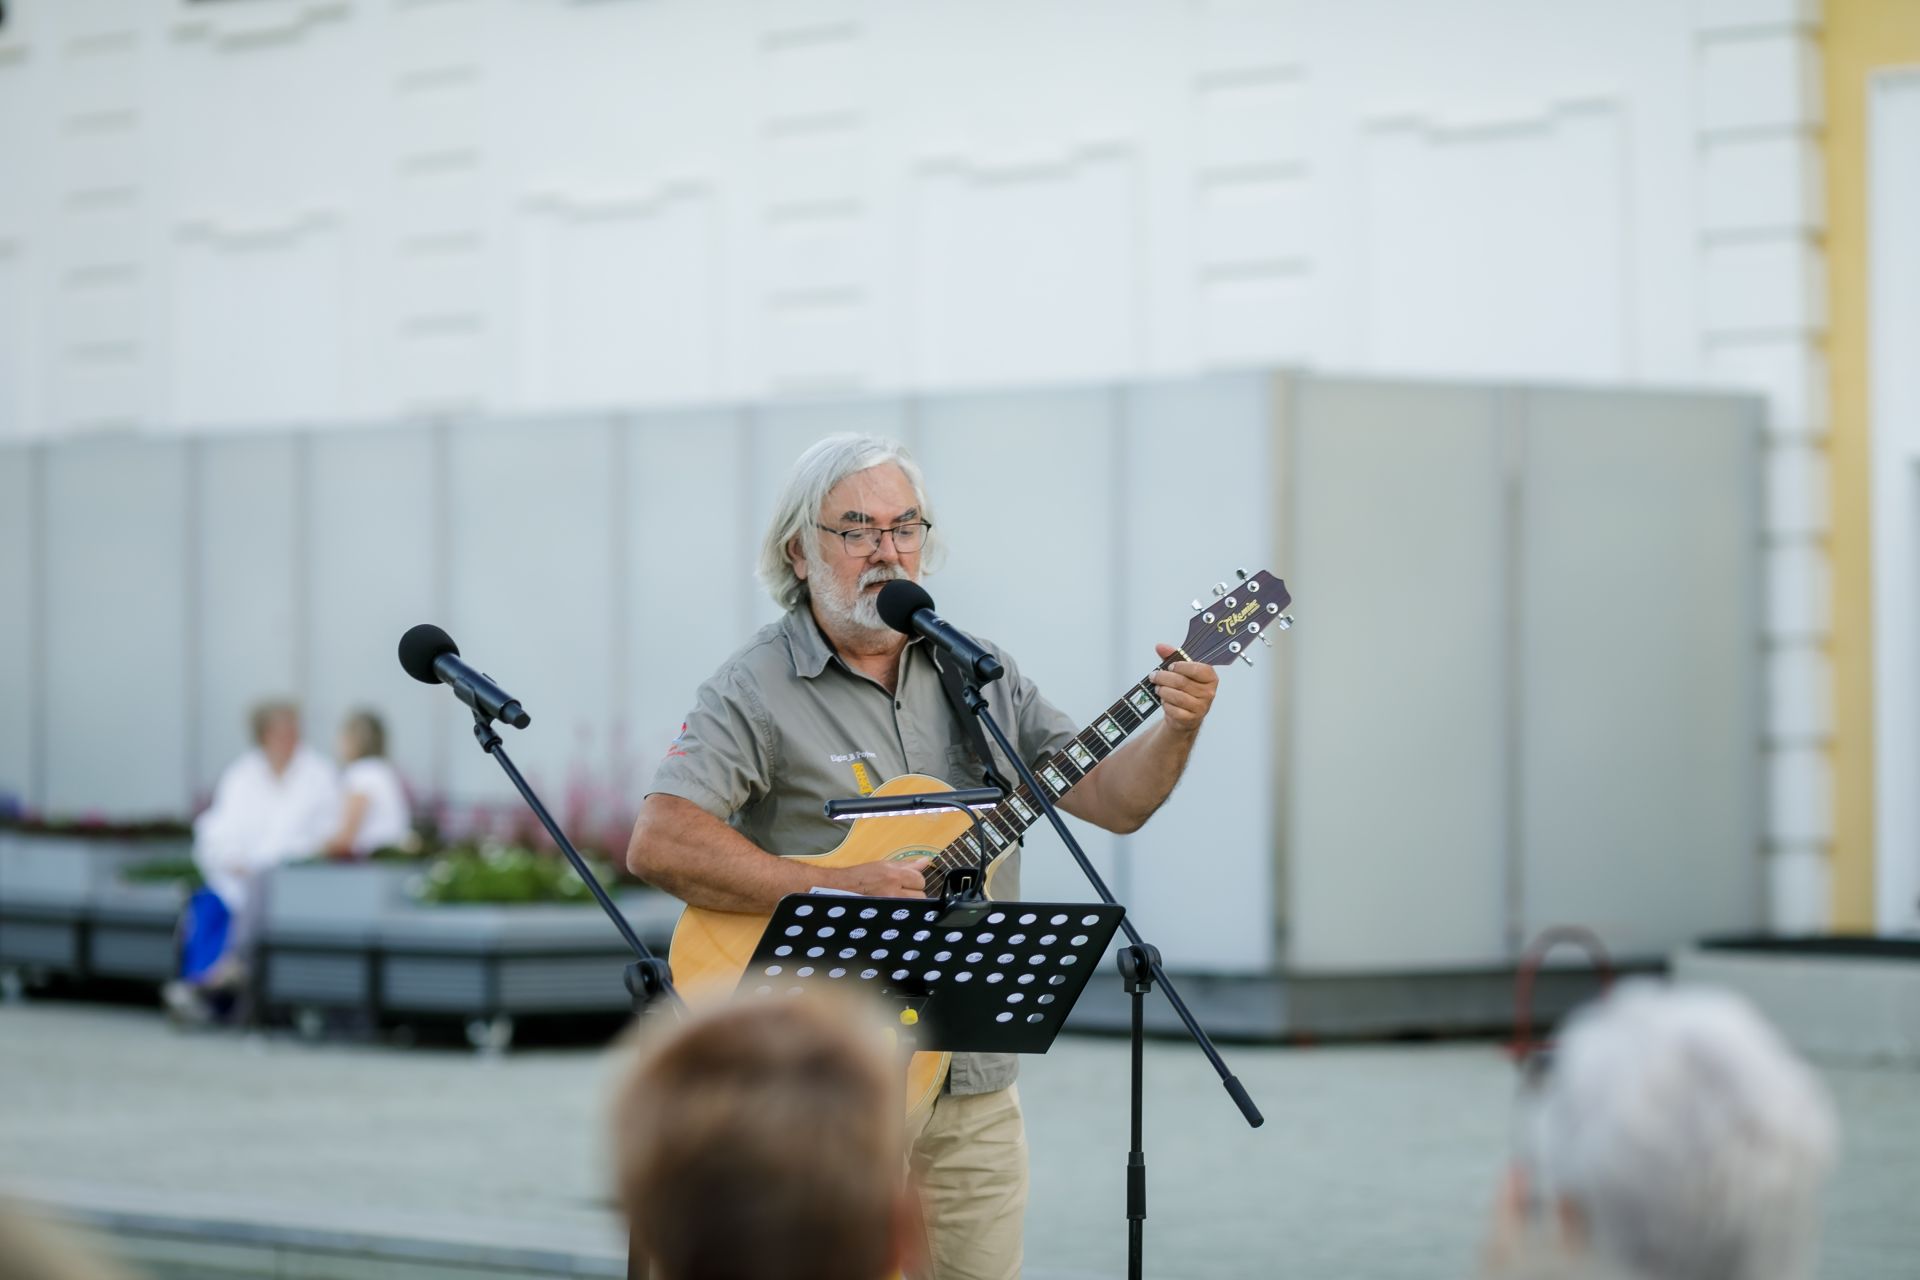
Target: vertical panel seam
[
  {"x": 1511, "y": 420},
  {"x": 192, "y": 531},
  {"x": 1119, "y": 457},
  {"x": 37, "y": 595}
]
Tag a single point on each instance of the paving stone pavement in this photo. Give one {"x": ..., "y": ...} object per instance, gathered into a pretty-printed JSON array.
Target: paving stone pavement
[{"x": 1375, "y": 1161}]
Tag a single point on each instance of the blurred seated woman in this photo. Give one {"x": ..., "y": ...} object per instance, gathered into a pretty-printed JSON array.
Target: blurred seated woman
[{"x": 374, "y": 813}]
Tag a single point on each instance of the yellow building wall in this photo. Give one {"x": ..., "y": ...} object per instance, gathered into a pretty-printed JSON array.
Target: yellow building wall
[{"x": 1860, "y": 37}]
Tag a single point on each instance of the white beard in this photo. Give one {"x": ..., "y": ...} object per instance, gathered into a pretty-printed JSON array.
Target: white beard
[{"x": 857, "y": 612}]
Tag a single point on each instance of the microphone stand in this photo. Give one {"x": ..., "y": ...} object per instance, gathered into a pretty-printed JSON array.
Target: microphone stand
[
  {"x": 1139, "y": 969},
  {"x": 648, "y": 978}
]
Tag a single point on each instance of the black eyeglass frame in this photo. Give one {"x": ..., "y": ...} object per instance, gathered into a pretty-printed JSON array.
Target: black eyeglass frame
[{"x": 847, "y": 535}]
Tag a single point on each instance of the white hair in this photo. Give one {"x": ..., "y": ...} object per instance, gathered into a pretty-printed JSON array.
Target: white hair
[
  {"x": 815, "y": 473},
  {"x": 1692, "y": 1142}
]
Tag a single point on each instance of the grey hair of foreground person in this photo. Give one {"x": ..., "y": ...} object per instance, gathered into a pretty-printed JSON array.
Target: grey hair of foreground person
[
  {"x": 815, "y": 473},
  {"x": 1684, "y": 1138}
]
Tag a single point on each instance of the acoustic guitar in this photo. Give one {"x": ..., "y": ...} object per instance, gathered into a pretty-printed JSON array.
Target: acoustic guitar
[{"x": 710, "y": 949}]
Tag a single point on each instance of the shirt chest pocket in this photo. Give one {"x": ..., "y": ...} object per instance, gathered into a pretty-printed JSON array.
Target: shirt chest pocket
[{"x": 963, "y": 767}]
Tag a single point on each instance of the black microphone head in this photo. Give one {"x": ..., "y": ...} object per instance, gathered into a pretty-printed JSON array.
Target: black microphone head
[
  {"x": 899, "y": 601},
  {"x": 420, "y": 646}
]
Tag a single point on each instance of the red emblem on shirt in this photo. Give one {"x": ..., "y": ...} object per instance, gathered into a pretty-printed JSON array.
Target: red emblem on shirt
[{"x": 674, "y": 748}]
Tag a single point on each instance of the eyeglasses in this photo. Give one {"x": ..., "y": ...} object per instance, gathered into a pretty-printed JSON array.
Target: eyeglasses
[{"x": 863, "y": 541}]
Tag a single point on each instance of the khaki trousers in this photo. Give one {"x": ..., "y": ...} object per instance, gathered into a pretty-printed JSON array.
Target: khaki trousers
[{"x": 969, "y": 1158}]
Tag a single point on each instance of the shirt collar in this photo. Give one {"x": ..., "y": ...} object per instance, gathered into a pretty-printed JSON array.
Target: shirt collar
[{"x": 811, "y": 649}]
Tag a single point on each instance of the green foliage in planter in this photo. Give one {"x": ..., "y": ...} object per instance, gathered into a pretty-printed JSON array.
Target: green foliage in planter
[
  {"x": 179, "y": 871},
  {"x": 501, "y": 874}
]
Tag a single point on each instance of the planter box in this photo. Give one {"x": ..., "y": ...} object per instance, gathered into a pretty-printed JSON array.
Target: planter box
[
  {"x": 459, "y": 960},
  {"x": 134, "y": 931},
  {"x": 338, "y": 897},
  {"x": 1840, "y": 999},
  {"x": 70, "y": 871}
]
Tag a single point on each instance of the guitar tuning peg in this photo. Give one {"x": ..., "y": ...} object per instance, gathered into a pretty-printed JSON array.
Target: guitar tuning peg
[
  {"x": 1197, "y": 606},
  {"x": 1242, "y": 573},
  {"x": 1266, "y": 640},
  {"x": 1219, "y": 588},
  {"x": 1244, "y": 658},
  {"x": 1284, "y": 622}
]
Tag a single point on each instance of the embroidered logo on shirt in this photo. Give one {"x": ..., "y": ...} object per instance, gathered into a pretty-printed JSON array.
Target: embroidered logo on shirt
[
  {"x": 862, "y": 778},
  {"x": 845, "y": 758},
  {"x": 674, "y": 748}
]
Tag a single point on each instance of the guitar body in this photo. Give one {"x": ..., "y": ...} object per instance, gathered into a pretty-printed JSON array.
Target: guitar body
[{"x": 710, "y": 949}]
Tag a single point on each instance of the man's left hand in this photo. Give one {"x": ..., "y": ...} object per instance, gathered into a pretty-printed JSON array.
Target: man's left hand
[{"x": 1186, "y": 691}]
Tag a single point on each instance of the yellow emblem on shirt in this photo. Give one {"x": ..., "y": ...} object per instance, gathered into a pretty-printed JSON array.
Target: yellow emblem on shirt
[{"x": 862, "y": 778}]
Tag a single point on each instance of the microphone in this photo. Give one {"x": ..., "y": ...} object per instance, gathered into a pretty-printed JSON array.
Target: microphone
[
  {"x": 430, "y": 656},
  {"x": 905, "y": 606}
]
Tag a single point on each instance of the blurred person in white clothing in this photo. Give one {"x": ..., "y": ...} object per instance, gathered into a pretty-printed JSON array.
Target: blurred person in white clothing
[
  {"x": 278, "y": 802},
  {"x": 374, "y": 812},
  {"x": 1671, "y": 1135}
]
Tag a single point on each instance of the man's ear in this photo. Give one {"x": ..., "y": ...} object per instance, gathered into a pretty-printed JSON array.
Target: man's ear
[{"x": 797, "y": 558}]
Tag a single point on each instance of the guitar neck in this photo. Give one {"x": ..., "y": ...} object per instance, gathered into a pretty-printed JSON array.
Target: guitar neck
[{"x": 1003, "y": 825}]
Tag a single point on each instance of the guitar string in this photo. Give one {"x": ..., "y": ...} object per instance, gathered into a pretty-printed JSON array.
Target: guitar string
[{"x": 953, "y": 857}]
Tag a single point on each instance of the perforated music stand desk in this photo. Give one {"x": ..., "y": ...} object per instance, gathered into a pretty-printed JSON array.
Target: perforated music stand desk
[{"x": 978, "y": 976}]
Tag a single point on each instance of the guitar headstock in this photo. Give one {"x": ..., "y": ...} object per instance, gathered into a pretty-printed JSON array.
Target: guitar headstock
[{"x": 1249, "y": 611}]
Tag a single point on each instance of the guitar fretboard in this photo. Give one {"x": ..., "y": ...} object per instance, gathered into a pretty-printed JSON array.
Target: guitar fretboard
[{"x": 1001, "y": 826}]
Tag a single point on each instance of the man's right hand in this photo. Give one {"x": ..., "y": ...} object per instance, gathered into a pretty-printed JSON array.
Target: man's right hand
[{"x": 903, "y": 879}]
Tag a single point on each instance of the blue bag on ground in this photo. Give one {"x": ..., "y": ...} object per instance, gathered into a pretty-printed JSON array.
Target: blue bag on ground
[{"x": 203, "y": 934}]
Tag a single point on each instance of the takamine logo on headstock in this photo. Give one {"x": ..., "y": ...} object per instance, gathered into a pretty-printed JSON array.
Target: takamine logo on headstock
[{"x": 1252, "y": 609}]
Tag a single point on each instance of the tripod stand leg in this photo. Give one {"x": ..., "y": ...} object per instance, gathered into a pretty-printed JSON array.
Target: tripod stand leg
[{"x": 1136, "y": 972}]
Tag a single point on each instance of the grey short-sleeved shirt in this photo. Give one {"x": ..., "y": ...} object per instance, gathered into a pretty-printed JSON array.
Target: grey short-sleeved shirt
[{"x": 784, "y": 726}]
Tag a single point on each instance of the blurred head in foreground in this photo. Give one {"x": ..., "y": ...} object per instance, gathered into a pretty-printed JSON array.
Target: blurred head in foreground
[
  {"x": 764, "y": 1141},
  {"x": 1674, "y": 1136},
  {"x": 276, "y": 730}
]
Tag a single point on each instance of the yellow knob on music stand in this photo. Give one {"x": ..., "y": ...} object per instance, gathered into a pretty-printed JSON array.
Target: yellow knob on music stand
[{"x": 909, "y": 1017}]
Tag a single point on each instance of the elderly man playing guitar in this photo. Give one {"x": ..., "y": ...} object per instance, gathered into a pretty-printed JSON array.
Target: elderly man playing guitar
[{"x": 830, "y": 701}]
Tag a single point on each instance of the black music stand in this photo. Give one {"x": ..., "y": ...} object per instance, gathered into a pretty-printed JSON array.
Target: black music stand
[{"x": 959, "y": 977}]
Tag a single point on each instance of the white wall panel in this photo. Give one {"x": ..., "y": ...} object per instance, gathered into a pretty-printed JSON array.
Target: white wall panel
[
  {"x": 119, "y": 701},
  {"x": 251, "y": 628},
  {"x": 531, "y": 601},
  {"x": 1766, "y": 286},
  {"x": 621, "y": 301},
  {"x": 1397, "y": 826},
  {"x": 691, "y": 540},
  {"x": 1026, "y": 491},
  {"x": 19, "y": 353},
  {"x": 371, "y": 572},
  {"x": 1756, "y": 79},
  {"x": 1499, "y": 246},
  {"x": 1181, "y": 531},
  {"x": 259, "y": 323},
  {"x": 1639, "y": 771},
  {"x": 1025, "y": 274},
  {"x": 20, "y": 687}
]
